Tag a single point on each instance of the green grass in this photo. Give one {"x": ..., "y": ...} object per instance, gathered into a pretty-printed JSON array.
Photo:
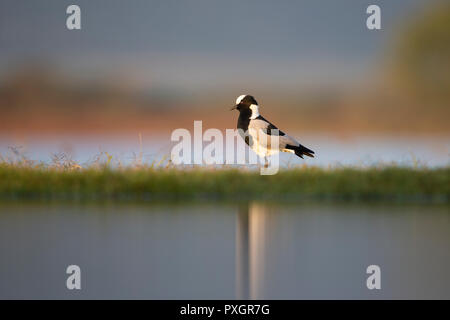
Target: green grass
[{"x": 373, "y": 183}]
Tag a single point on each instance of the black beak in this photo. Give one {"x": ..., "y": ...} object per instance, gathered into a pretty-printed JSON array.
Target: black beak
[{"x": 235, "y": 107}]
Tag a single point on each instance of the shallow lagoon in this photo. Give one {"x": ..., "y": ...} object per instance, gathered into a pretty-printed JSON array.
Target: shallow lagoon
[
  {"x": 330, "y": 151},
  {"x": 225, "y": 250}
]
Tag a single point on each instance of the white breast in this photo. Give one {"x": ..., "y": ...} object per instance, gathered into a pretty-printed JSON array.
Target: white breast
[{"x": 262, "y": 143}]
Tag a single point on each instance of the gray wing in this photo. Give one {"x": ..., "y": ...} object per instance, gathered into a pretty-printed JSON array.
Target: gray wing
[
  {"x": 267, "y": 126},
  {"x": 264, "y": 127},
  {"x": 288, "y": 141}
]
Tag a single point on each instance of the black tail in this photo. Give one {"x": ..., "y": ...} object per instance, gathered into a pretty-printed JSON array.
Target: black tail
[{"x": 301, "y": 151}]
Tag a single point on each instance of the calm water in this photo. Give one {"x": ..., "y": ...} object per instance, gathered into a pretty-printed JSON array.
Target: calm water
[
  {"x": 212, "y": 250},
  {"x": 360, "y": 150}
]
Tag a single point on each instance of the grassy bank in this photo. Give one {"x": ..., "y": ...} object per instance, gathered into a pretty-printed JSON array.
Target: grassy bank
[{"x": 384, "y": 183}]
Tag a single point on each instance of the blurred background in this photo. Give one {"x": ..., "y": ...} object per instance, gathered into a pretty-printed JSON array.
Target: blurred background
[
  {"x": 148, "y": 67},
  {"x": 139, "y": 69}
]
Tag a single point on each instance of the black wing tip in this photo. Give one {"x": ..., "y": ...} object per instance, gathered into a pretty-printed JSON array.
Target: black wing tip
[
  {"x": 306, "y": 150},
  {"x": 301, "y": 151}
]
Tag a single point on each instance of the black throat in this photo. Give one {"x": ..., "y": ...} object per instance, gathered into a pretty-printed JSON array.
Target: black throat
[{"x": 244, "y": 119}]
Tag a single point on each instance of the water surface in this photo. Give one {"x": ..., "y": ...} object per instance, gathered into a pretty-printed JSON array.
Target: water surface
[
  {"x": 360, "y": 150},
  {"x": 224, "y": 251}
]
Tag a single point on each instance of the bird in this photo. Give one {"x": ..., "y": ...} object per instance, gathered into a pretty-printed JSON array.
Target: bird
[{"x": 257, "y": 131}]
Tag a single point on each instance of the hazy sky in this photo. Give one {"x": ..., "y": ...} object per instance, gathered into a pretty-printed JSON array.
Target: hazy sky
[{"x": 195, "y": 42}]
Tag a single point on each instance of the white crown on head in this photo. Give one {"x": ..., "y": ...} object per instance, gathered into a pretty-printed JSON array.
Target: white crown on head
[{"x": 239, "y": 99}]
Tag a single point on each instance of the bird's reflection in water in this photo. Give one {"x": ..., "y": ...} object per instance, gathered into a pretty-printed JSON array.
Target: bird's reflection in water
[{"x": 250, "y": 250}]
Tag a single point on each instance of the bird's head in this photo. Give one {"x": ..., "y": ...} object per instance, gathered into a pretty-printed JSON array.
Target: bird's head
[{"x": 247, "y": 104}]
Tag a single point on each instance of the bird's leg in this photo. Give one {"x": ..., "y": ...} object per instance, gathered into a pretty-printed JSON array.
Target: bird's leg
[{"x": 266, "y": 162}]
